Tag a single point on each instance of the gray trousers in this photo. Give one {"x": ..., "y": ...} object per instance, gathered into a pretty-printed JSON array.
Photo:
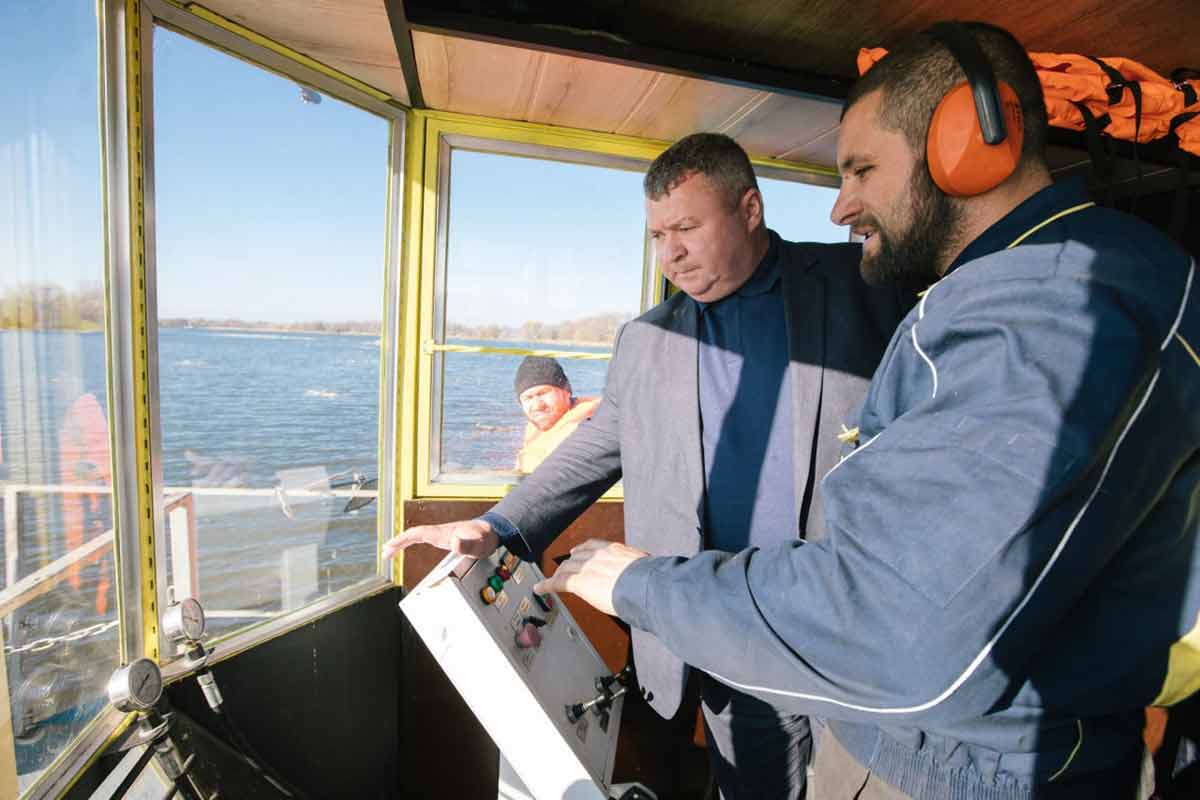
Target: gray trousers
[
  {"x": 838, "y": 776},
  {"x": 754, "y": 750}
]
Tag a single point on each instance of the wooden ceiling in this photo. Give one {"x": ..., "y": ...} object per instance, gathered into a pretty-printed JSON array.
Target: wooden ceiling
[
  {"x": 538, "y": 86},
  {"x": 661, "y": 70},
  {"x": 822, "y": 36},
  {"x": 352, "y": 36}
]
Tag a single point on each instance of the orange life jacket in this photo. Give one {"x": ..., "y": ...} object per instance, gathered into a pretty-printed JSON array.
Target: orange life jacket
[
  {"x": 539, "y": 444},
  {"x": 84, "y": 459},
  {"x": 1130, "y": 100}
]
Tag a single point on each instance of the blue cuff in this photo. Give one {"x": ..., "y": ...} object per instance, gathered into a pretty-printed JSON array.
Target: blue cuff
[
  {"x": 631, "y": 595},
  {"x": 508, "y": 533}
]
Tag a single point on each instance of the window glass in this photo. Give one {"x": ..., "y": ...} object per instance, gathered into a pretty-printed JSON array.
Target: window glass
[
  {"x": 270, "y": 212},
  {"x": 799, "y": 212},
  {"x": 542, "y": 255},
  {"x": 57, "y": 579}
]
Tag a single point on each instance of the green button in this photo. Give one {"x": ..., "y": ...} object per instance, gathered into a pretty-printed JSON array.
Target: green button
[{"x": 495, "y": 582}]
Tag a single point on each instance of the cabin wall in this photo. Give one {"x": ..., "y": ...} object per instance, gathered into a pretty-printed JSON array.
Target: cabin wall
[{"x": 320, "y": 704}]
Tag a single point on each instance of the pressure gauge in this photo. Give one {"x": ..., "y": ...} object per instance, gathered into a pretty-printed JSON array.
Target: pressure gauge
[
  {"x": 135, "y": 686},
  {"x": 184, "y": 621}
]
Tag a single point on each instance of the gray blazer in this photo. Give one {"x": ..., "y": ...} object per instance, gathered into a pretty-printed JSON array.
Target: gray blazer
[{"x": 647, "y": 428}]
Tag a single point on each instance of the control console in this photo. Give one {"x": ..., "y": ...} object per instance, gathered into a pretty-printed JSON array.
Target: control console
[{"x": 528, "y": 673}]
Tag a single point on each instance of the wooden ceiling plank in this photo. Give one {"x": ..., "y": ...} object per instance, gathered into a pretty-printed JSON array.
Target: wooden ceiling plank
[
  {"x": 581, "y": 93},
  {"x": 661, "y": 85},
  {"x": 534, "y": 74},
  {"x": 352, "y": 36},
  {"x": 433, "y": 69}
]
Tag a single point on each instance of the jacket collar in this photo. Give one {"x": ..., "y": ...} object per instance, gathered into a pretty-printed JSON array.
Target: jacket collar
[{"x": 1037, "y": 208}]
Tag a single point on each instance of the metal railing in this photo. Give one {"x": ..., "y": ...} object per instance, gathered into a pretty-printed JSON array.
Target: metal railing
[{"x": 180, "y": 512}]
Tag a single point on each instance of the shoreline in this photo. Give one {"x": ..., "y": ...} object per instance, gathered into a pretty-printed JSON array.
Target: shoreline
[{"x": 312, "y": 331}]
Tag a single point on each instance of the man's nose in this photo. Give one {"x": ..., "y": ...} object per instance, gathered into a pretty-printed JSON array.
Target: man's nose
[
  {"x": 673, "y": 246},
  {"x": 846, "y": 208}
]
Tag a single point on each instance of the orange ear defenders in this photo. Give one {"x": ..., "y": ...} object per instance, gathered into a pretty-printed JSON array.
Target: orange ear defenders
[{"x": 975, "y": 136}]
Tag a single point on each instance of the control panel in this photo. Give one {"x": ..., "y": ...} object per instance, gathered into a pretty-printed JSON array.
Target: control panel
[{"x": 528, "y": 673}]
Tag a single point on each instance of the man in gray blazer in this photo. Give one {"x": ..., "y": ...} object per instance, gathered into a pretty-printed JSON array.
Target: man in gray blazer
[{"x": 722, "y": 410}]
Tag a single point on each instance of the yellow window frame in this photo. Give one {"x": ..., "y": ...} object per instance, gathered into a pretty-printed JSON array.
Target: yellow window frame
[{"x": 429, "y": 131}]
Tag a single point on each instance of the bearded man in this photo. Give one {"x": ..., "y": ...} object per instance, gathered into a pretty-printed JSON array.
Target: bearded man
[{"x": 1008, "y": 573}]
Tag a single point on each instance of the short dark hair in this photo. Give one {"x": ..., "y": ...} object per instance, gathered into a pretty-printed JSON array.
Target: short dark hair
[
  {"x": 918, "y": 72},
  {"x": 714, "y": 155}
]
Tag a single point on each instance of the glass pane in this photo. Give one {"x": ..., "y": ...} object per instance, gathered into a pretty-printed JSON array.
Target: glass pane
[
  {"x": 57, "y": 580},
  {"x": 271, "y": 206},
  {"x": 799, "y": 212},
  {"x": 483, "y": 428},
  {"x": 540, "y": 255}
]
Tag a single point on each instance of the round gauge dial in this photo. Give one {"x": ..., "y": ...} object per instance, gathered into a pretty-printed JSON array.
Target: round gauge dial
[
  {"x": 136, "y": 686},
  {"x": 192, "y": 615},
  {"x": 184, "y": 621}
]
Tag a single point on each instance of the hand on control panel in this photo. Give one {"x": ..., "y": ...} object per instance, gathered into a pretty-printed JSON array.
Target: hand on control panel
[
  {"x": 592, "y": 571},
  {"x": 470, "y": 537}
]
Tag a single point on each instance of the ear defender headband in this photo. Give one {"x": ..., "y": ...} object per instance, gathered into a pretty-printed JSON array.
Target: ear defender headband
[{"x": 975, "y": 135}]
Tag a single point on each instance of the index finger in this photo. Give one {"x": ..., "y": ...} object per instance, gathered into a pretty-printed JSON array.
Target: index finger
[
  {"x": 555, "y": 583},
  {"x": 401, "y": 541}
]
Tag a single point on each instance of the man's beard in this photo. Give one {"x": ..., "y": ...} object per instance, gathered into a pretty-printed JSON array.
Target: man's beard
[{"x": 912, "y": 258}]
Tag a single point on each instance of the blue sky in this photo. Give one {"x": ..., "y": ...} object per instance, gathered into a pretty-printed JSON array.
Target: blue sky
[
  {"x": 49, "y": 145},
  {"x": 270, "y": 208}
]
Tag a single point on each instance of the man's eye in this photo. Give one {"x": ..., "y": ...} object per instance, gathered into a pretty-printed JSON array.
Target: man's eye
[{"x": 861, "y": 171}]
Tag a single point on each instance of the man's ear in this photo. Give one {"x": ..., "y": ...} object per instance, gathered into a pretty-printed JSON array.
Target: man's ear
[{"x": 751, "y": 208}]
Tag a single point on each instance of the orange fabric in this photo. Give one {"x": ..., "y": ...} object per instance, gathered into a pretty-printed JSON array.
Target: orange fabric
[
  {"x": 1068, "y": 79},
  {"x": 1189, "y": 135},
  {"x": 84, "y": 460},
  {"x": 540, "y": 444}
]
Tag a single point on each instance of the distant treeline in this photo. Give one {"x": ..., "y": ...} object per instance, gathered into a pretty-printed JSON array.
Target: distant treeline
[
  {"x": 312, "y": 326},
  {"x": 596, "y": 329},
  {"x": 47, "y": 306}
]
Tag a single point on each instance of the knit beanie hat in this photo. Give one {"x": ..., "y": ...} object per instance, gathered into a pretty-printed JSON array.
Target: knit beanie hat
[{"x": 540, "y": 371}]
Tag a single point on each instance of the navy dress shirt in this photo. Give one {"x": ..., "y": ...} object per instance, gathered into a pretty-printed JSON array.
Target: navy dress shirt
[{"x": 746, "y": 414}]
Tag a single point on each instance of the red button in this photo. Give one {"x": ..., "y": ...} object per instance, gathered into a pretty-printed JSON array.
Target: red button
[{"x": 528, "y": 636}]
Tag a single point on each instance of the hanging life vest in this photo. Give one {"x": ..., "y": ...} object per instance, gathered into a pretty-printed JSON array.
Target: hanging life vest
[{"x": 1131, "y": 101}]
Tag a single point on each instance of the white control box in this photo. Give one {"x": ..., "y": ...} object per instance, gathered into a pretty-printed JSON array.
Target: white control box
[{"x": 520, "y": 666}]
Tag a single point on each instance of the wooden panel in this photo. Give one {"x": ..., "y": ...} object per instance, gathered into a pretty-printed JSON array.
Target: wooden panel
[
  {"x": 680, "y": 106},
  {"x": 782, "y": 125},
  {"x": 579, "y": 93},
  {"x": 821, "y": 150},
  {"x": 514, "y": 83},
  {"x": 475, "y": 78},
  {"x": 352, "y": 36}
]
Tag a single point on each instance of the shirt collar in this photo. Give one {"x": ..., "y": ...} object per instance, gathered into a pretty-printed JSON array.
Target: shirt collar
[
  {"x": 764, "y": 279},
  {"x": 1037, "y": 208}
]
